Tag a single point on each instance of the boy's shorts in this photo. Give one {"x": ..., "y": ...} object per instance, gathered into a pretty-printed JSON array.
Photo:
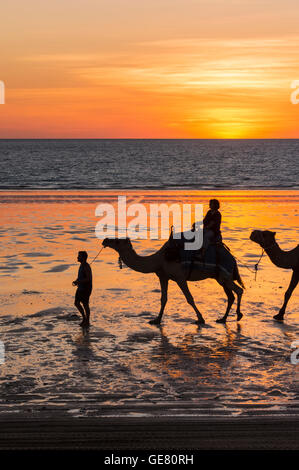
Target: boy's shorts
[{"x": 82, "y": 295}]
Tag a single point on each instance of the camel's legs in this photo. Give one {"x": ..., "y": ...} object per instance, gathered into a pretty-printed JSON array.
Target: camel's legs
[
  {"x": 287, "y": 295},
  {"x": 185, "y": 289},
  {"x": 230, "y": 301},
  {"x": 164, "y": 288},
  {"x": 239, "y": 291},
  {"x": 228, "y": 288}
]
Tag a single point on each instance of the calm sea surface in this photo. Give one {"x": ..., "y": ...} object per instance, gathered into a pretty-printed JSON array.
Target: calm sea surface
[{"x": 148, "y": 164}]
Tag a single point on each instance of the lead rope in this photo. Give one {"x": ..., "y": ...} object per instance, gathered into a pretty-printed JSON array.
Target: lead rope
[
  {"x": 257, "y": 264},
  {"x": 245, "y": 265},
  {"x": 119, "y": 259},
  {"x": 97, "y": 255}
]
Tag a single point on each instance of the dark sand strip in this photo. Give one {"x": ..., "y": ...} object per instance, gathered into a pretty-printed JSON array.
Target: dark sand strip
[{"x": 150, "y": 433}]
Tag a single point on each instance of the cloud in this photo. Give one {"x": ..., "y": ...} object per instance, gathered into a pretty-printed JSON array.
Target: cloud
[{"x": 196, "y": 66}]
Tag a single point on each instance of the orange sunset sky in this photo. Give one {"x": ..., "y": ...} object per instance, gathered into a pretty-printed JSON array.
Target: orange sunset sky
[{"x": 149, "y": 68}]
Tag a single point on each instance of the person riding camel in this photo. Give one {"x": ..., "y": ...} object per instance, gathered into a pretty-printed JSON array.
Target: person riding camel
[{"x": 211, "y": 226}]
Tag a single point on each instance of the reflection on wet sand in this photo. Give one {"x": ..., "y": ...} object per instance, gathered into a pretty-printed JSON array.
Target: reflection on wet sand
[
  {"x": 122, "y": 361},
  {"x": 189, "y": 359}
]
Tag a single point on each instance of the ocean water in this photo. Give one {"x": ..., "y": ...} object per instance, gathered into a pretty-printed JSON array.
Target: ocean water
[{"x": 149, "y": 164}]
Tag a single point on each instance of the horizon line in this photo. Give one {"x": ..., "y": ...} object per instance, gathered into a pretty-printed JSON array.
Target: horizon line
[{"x": 147, "y": 138}]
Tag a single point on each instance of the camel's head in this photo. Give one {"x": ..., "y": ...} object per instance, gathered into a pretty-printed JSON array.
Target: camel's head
[
  {"x": 117, "y": 244},
  {"x": 264, "y": 238}
]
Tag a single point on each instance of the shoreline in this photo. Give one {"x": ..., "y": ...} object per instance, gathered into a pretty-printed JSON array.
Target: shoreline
[
  {"x": 174, "y": 189},
  {"x": 90, "y": 196}
]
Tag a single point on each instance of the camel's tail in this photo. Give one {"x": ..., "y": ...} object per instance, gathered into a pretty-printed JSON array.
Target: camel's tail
[{"x": 237, "y": 276}]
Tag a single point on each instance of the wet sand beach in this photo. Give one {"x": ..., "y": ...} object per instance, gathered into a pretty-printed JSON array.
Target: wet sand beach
[{"x": 124, "y": 371}]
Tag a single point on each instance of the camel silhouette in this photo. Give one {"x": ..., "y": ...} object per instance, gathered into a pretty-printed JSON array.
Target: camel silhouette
[
  {"x": 172, "y": 270},
  {"x": 282, "y": 259}
]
